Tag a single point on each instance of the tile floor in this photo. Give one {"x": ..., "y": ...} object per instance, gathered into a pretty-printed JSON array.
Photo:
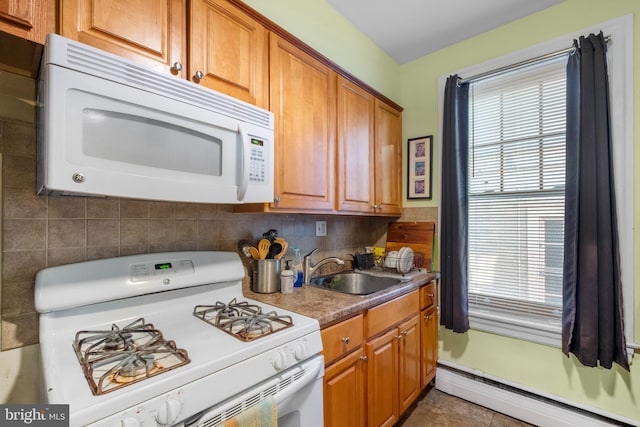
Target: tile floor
[{"x": 438, "y": 409}]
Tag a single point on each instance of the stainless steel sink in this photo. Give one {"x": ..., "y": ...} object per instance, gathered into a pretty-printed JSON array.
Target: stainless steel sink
[{"x": 354, "y": 283}]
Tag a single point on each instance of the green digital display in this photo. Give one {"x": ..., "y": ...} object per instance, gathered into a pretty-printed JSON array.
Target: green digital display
[
  {"x": 259, "y": 142},
  {"x": 163, "y": 266}
]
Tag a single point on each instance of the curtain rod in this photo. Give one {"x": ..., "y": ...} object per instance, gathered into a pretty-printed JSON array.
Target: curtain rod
[{"x": 541, "y": 58}]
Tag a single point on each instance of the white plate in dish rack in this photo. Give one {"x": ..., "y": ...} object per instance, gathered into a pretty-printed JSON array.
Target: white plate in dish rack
[{"x": 405, "y": 260}]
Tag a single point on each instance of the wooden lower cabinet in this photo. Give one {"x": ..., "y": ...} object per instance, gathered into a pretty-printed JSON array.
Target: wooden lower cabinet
[
  {"x": 393, "y": 372},
  {"x": 344, "y": 391},
  {"x": 409, "y": 362},
  {"x": 378, "y": 364},
  {"x": 429, "y": 343},
  {"x": 382, "y": 379}
]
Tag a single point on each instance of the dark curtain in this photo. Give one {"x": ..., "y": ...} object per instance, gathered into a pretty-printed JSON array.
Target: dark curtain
[
  {"x": 454, "y": 307},
  {"x": 592, "y": 320}
]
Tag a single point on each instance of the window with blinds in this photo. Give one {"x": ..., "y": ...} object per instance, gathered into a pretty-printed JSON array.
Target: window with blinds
[{"x": 516, "y": 194}]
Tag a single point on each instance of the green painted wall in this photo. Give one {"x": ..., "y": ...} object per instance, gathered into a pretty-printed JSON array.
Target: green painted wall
[
  {"x": 320, "y": 26},
  {"x": 414, "y": 86},
  {"x": 535, "y": 366}
]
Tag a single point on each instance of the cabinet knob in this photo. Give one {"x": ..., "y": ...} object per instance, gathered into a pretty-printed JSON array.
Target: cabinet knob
[
  {"x": 276, "y": 199},
  {"x": 198, "y": 76},
  {"x": 404, "y": 333},
  {"x": 399, "y": 337},
  {"x": 177, "y": 67},
  {"x": 346, "y": 340},
  {"x": 364, "y": 358},
  {"x": 427, "y": 317},
  {"x": 375, "y": 207}
]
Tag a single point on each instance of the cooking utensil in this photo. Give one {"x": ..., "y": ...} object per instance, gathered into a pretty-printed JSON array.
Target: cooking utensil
[
  {"x": 284, "y": 245},
  {"x": 254, "y": 252},
  {"x": 263, "y": 248},
  {"x": 270, "y": 235},
  {"x": 274, "y": 249}
]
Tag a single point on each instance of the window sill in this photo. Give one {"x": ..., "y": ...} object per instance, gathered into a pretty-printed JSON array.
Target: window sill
[{"x": 528, "y": 330}]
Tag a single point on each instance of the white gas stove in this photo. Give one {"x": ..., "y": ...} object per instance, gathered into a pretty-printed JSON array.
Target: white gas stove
[{"x": 155, "y": 339}]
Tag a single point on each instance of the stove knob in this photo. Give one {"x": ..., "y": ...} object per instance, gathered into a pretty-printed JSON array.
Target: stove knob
[
  {"x": 130, "y": 422},
  {"x": 280, "y": 360},
  {"x": 168, "y": 412},
  {"x": 300, "y": 352}
]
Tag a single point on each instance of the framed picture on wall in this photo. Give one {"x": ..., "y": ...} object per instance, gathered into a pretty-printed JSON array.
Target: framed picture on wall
[{"x": 419, "y": 167}]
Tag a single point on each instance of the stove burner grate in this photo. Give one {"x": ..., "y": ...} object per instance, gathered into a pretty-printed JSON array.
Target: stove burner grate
[
  {"x": 242, "y": 320},
  {"x": 112, "y": 359}
]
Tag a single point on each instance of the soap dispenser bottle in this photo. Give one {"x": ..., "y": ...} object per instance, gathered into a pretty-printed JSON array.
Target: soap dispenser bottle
[{"x": 297, "y": 266}]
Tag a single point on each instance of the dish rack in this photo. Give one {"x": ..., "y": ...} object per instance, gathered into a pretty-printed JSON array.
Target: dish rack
[{"x": 389, "y": 263}]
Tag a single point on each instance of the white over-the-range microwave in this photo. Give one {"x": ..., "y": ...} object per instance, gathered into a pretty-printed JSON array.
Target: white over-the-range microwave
[{"x": 110, "y": 127}]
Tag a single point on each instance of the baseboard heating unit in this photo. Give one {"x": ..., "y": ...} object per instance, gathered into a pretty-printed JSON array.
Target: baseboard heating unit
[{"x": 525, "y": 405}]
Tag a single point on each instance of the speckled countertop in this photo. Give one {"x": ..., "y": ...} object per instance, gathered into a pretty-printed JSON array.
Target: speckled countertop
[{"x": 328, "y": 306}]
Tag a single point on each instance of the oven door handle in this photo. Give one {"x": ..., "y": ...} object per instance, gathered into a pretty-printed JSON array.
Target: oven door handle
[
  {"x": 300, "y": 383},
  {"x": 313, "y": 369}
]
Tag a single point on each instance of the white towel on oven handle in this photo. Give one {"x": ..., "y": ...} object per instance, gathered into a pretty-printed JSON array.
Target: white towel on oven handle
[{"x": 263, "y": 414}]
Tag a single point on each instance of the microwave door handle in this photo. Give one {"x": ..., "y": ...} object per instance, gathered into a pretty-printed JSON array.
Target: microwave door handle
[{"x": 246, "y": 157}]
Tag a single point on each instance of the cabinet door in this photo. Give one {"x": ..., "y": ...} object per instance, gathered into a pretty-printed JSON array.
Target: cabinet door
[
  {"x": 429, "y": 344},
  {"x": 355, "y": 157},
  {"x": 303, "y": 100},
  {"x": 388, "y": 155},
  {"x": 230, "y": 49},
  {"x": 409, "y": 362},
  {"x": 382, "y": 380},
  {"x": 152, "y": 32},
  {"x": 344, "y": 392},
  {"x": 29, "y": 19}
]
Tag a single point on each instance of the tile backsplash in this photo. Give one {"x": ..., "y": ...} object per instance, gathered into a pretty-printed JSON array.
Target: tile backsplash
[{"x": 39, "y": 231}]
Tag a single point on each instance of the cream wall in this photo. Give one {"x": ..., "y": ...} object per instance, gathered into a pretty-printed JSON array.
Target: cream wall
[
  {"x": 319, "y": 25},
  {"x": 531, "y": 365}
]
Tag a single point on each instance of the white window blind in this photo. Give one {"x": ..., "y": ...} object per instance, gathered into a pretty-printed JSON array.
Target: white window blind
[{"x": 516, "y": 194}]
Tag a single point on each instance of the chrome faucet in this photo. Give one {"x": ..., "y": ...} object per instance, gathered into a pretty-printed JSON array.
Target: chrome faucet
[{"x": 308, "y": 267}]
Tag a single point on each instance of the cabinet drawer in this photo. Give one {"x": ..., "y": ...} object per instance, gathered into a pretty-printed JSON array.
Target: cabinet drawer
[
  {"x": 428, "y": 295},
  {"x": 388, "y": 314},
  {"x": 341, "y": 338}
]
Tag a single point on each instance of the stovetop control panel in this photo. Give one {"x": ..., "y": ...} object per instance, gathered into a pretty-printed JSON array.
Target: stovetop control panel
[{"x": 142, "y": 272}]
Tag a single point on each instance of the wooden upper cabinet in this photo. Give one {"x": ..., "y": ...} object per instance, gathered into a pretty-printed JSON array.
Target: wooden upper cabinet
[
  {"x": 231, "y": 51},
  {"x": 29, "y": 19},
  {"x": 152, "y": 32},
  {"x": 369, "y": 153},
  {"x": 355, "y": 153},
  {"x": 303, "y": 100},
  {"x": 388, "y": 159}
]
